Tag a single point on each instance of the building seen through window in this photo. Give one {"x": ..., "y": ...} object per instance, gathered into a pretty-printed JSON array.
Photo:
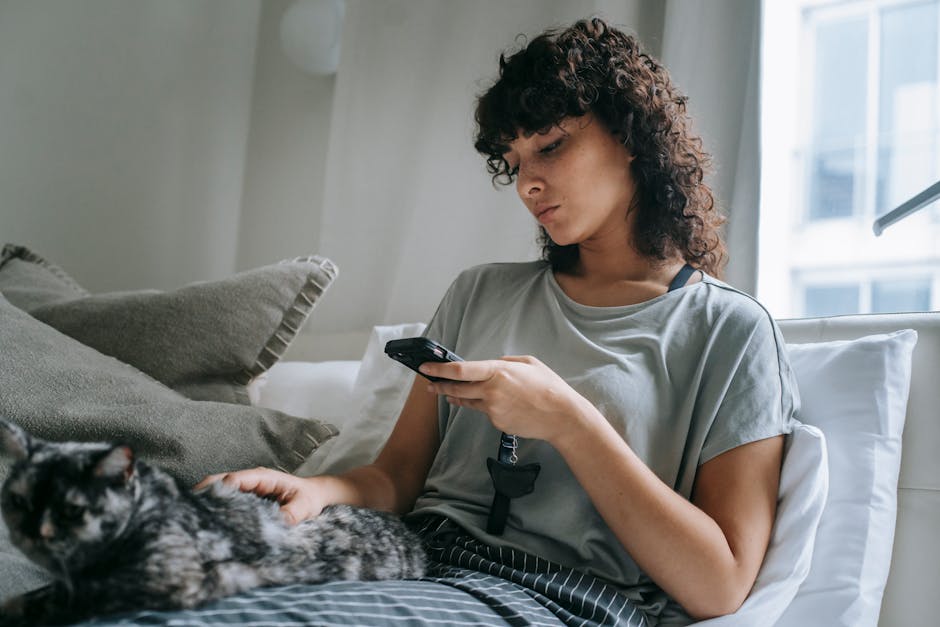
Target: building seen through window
[{"x": 850, "y": 129}]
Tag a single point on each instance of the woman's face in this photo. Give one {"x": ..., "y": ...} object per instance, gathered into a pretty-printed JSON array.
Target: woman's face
[{"x": 575, "y": 179}]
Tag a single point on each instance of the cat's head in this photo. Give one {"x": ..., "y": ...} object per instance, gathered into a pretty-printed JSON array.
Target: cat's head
[{"x": 64, "y": 502}]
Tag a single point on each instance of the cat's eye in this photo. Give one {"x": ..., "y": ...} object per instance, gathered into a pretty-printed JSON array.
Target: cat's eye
[
  {"x": 19, "y": 502},
  {"x": 72, "y": 513}
]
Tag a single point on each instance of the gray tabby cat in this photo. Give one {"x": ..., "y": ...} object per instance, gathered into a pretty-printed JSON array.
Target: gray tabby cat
[{"x": 118, "y": 534}]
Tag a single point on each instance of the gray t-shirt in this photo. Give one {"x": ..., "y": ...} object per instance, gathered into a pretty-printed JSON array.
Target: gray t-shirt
[{"x": 683, "y": 377}]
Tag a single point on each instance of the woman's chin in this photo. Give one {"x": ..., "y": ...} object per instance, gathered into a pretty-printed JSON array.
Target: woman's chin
[
  {"x": 558, "y": 237},
  {"x": 563, "y": 239}
]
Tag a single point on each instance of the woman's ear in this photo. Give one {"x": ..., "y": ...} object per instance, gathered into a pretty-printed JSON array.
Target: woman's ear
[{"x": 14, "y": 441}]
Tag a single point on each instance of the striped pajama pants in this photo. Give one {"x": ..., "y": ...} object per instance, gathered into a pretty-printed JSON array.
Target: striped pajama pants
[{"x": 468, "y": 584}]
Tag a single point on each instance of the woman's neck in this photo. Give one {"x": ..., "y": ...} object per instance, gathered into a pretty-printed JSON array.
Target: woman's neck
[
  {"x": 615, "y": 279},
  {"x": 624, "y": 265}
]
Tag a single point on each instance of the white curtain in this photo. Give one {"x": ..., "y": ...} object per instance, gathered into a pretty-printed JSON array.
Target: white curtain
[
  {"x": 712, "y": 50},
  {"x": 407, "y": 202}
]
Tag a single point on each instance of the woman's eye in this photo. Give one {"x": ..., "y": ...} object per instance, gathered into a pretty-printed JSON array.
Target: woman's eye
[{"x": 551, "y": 147}]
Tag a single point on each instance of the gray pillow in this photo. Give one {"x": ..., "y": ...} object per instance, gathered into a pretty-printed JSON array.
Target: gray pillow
[
  {"x": 29, "y": 281},
  {"x": 60, "y": 389},
  {"x": 17, "y": 574},
  {"x": 206, "y": 340}
]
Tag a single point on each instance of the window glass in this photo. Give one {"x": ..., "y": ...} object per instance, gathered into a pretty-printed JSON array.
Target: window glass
[
  {"x": 908, "y": 138},
  {"x": 831, "y": 300},
  {"x": 838, "y": 117},
  {"x": 850, "y": 129},
  {"x": 902, "y": 295}
]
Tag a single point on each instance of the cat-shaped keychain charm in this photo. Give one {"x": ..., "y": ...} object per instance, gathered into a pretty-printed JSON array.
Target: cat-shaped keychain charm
[{"x": 510, "y": 481}]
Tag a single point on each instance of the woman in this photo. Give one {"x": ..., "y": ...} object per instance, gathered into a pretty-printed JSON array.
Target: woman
[{"x": 654, "y": 397}]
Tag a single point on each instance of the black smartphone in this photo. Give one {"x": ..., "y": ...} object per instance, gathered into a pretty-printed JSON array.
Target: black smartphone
[{"x": 414, "y": 351}]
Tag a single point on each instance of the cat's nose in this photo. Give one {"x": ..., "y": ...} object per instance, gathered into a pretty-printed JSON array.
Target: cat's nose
[{"x": 47, "y": 530}]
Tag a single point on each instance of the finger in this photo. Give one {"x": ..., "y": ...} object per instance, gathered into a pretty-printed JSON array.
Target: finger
[
  {"x": 289, "y": 515},
  {"x": 207, "y": 481},
  {"x": 469, "y": 403},
  {"x": 260, "y": 481},
  {"x": 522, "y": 359},
  {"x": 466, "y": 390},
  {"x": 233, "y": 479},
  {"x": 460, "y": 370},
  {"x": 294, "y": 513},
  {"x": 264, "y": 485}
]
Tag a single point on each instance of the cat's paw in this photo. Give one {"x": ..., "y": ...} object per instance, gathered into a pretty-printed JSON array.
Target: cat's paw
[
  {"x": 12, "y": 613},
  {"x": 37, "y": 607}
]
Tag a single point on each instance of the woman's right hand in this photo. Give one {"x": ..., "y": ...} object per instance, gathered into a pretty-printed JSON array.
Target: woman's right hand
[{"x": 300, "y": 497}]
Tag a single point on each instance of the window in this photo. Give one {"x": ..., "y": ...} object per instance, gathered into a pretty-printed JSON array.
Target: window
[
  {"x": 830, "y": 300},
  {"x": 876, "y": 296},
  {"x": 900, "y": 295},
  {"x": 850, "y": 129},
  {"x": 838, "y": 118}
]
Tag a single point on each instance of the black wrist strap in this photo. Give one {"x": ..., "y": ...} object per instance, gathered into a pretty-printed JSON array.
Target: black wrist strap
[{"x": 509, "y": 482}]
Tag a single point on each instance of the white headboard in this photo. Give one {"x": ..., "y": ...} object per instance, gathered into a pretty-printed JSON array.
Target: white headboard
[{"x": 910, "y": 596}]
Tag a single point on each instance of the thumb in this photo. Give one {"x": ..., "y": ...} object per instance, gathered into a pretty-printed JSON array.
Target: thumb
[
  {"x": 296, "y": 511},
  {"x": 289, "y": 515}
]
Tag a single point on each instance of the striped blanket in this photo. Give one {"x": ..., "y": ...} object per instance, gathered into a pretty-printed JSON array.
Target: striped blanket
[{"x": 469, "y": 583}]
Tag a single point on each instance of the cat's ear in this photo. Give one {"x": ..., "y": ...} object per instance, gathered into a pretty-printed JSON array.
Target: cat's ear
[
  {"x": 118, "y": 463},
  {"x": 14, "y": 441}
]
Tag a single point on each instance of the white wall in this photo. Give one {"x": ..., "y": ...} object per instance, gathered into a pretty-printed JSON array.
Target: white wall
[
  {"x": 408, "y": 203},
  {"x": 151, "y": 143},
  {"x": 286, "y": 159},
  {"x": 123, "y": 127}
]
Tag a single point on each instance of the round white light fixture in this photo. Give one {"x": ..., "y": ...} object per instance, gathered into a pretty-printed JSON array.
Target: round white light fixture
[{"x": 310, "y": 34}]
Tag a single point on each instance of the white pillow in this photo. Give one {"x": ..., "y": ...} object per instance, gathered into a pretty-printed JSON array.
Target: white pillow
[
  {"x": 856, "y": 393},
  {"x": 380, "y": 389},
  {"x": 322, "y": 389},
  {"x": 802, "y": 497}
]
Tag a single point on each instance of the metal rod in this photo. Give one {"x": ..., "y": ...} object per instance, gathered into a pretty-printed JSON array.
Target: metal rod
[{"x": 907, "y": 207}]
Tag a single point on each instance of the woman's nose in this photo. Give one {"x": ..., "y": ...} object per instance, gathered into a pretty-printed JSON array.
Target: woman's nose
[{"x": 528, "y": 184}]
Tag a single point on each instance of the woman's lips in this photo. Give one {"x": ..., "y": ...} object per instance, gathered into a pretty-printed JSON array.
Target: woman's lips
[{"x": 545, "y": 215}]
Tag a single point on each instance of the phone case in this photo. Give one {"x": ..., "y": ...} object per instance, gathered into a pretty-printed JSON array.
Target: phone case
[{"x": 414, "y": 351}]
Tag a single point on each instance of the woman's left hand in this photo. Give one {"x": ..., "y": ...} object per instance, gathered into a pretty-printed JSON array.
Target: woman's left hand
[{"x": 521, "y": 395}]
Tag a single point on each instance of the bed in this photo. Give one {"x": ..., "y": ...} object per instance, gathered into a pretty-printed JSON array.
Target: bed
[{"x": 196, "y": 379}]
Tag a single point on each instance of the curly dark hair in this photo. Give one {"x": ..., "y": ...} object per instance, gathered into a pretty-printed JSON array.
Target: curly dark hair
[{"x": 591, "y": 67}]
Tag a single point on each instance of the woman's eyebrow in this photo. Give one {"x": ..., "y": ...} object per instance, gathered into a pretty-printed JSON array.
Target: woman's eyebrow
[{"x": 559, "y": 129}]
